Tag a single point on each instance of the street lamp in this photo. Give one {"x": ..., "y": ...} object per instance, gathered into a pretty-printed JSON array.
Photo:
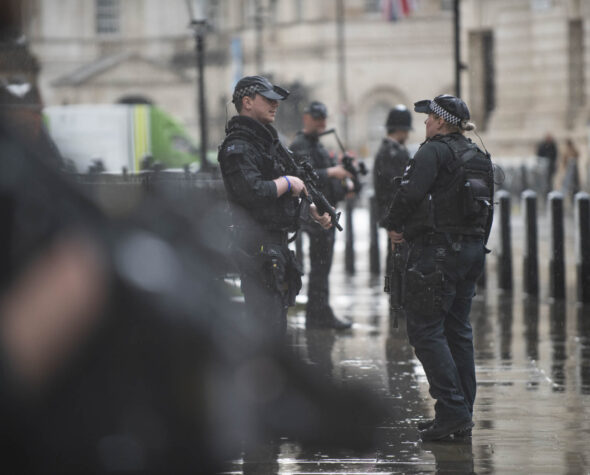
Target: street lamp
[{"x": 198, "y": 14}]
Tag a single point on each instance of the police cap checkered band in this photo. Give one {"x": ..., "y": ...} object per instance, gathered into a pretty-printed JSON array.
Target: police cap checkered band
[
  {"x": 245, "y": 91},
  {"x": 249, "y": 85},
  {"x": 447, "y": 116},
  {"x": 452, "y": 109}
]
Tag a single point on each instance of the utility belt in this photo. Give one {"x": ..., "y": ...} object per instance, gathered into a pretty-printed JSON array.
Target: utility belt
[
  {"x": 266, "y": 256},
  {"x": 250, "y": 241},
  {"x": 438, "y": 238}
]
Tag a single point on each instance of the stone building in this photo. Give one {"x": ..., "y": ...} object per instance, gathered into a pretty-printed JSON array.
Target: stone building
[
  {"x": 529, "y": 73},
  {"x": 525, "y": 61},
  {"x": 104, "y": 50}
]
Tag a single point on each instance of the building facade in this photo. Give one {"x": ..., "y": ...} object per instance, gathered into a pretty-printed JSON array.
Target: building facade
[{"x": 526, "y": 62}]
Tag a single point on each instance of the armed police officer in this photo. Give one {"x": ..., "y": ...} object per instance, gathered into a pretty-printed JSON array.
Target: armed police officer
[
  {"x": 264, "y": 204},
  {"x": 443, "y": 209},
  {"x": 390, "y": 162},
  {"x": 333, "y": 184}
]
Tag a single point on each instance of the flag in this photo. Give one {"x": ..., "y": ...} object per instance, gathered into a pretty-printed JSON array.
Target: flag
[{"x": 393, "y": 10}]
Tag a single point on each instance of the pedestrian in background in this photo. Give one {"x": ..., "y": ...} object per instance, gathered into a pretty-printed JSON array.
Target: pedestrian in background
[
  {"x": 569, "y": 168},
  {"x": 443, "y": 209},
  {"x": 333, "y": 184},
  {"x": 547, "y": 149},
  {"x": 390, "y": 162},
  {"x": 264, "y": 204}
]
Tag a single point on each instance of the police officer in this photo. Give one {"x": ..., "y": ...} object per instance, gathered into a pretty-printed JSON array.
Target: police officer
[
  {"x": 390, "y": 162},
  {"x": 333, "y": 184},
  {"x": 264, "y": 204},
  {"x": 443, "y": 209}
]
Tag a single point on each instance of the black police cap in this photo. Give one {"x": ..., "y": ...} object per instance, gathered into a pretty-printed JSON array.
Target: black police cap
[
  {"x": 260, "y": 85},
  {"x": 450, "y": 108},
  {"x": 317, "y": 110},
  {"x": 399, "y": 118}
]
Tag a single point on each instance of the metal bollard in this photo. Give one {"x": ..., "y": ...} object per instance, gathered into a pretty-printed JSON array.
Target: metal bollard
[
  {"x": 349, "y": 248},
  {"x": 505, "y": 254},
  {"x": 582, "y": 220},
  {"x": 557, "y": 242},
  {"x": 374, "y": 263},
  {"x": 531, "y": 258}
]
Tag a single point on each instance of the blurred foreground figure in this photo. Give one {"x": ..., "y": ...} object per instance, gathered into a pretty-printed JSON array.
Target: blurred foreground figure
[
  {"x": 443, "y": 209},
  {"x": 119, "y": 348}
]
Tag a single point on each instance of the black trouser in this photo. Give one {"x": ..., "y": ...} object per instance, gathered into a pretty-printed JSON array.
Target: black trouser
[
  {"x": 266, "y": 267},
  {"x": 441, "y": 334},
  {"x": 321, "y": 251},
  {"x": 264, "y": 305}
]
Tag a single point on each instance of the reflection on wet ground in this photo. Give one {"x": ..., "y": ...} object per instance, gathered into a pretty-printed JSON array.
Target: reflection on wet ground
[{"x": 532, "y": 411}]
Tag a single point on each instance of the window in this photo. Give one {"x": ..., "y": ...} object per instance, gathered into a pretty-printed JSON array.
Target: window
[
  {"x": 107, "y": 16},
  {"x": 373, "y": 6},
  {"x": 482, "y": 90},
  {"x": 576, "y": 63},
  {"x": 298, "y": 10},
  {"x": 447, "y": 4}
]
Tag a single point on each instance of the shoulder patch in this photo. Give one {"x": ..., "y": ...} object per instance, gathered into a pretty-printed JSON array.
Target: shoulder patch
[{"x": 233, "y": 148}]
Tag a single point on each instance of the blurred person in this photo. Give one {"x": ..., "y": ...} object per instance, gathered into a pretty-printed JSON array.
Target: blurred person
[
  {"x": 264, "y": 204},
  {"x": 443, "y": 209},
  {"x": 120, "y": 350},
  {"x": 21, "y": 110},
  {"x": 569, "y": 167},
  {"x": 390, "y": 162},
  {"x": 333, "y": 184},
  {"x": 547, "y": 149}
]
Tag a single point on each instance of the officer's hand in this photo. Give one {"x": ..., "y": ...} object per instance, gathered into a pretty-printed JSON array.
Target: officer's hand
[
  {"x": 396, "y": 238},
  {"x": 338, "y": 172},
  {"x": 297, "y": 186},
  {"x": 324, "y": 220}
]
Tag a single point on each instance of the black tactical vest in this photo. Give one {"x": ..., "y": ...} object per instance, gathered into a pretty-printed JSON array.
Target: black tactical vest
[
  {"x": 246, "y": 137},
  {"x": 462, "y": 202}
]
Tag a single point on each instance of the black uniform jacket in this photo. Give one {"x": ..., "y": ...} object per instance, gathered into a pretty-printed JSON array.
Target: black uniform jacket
[
  {"x": 249, "y": 165},
  {"x": 309, "y": 145},
  {"x": 390, "y": 162}
]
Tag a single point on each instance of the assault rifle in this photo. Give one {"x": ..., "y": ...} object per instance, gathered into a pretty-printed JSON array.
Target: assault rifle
[
  {"x": 348, "y": 162},
  {"x": 302, "y": 168},
  {"x": 394, "y": 283}
]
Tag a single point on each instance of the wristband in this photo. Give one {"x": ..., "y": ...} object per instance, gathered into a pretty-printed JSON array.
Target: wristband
[{"x": 288, "y": 183}]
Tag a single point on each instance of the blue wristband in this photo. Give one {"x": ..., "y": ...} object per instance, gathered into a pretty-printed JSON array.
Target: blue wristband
[{"x": 288, "y": 183}]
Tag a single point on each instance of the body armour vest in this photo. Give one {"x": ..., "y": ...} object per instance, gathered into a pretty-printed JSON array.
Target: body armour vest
[
  {"x": 248, "y": 151},
  {"x": 461, "y": 200}
]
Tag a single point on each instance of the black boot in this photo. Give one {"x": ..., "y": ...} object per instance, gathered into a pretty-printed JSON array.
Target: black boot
[{"x": 325, "y": 319}]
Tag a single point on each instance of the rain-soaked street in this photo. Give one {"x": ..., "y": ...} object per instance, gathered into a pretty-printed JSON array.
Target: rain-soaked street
[{"x": 532, "y": 411}]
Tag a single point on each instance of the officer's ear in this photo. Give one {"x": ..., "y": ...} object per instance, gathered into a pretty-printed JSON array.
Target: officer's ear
[{"x": 247, "y": 102}]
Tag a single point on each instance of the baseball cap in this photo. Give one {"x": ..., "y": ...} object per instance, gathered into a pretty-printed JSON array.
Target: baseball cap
[
  {"x": 317, "y": 110},
  {"x": 452, "y": 109},
  {"x": 260, "y": 85}
]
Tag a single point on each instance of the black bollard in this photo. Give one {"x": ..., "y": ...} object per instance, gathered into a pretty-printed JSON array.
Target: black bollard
[
  {"x": 556, "y": 258},
  {"x": 374, "y": 264},
  {"x": 349, "y": 249},
  {"x": 505, "y": 254},
  {"x": 531, "y": 258},
  {"x": 582, "y": 219}
]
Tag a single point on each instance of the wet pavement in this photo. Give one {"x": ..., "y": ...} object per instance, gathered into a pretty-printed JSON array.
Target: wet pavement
[{"x": 532, "y": 411}]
